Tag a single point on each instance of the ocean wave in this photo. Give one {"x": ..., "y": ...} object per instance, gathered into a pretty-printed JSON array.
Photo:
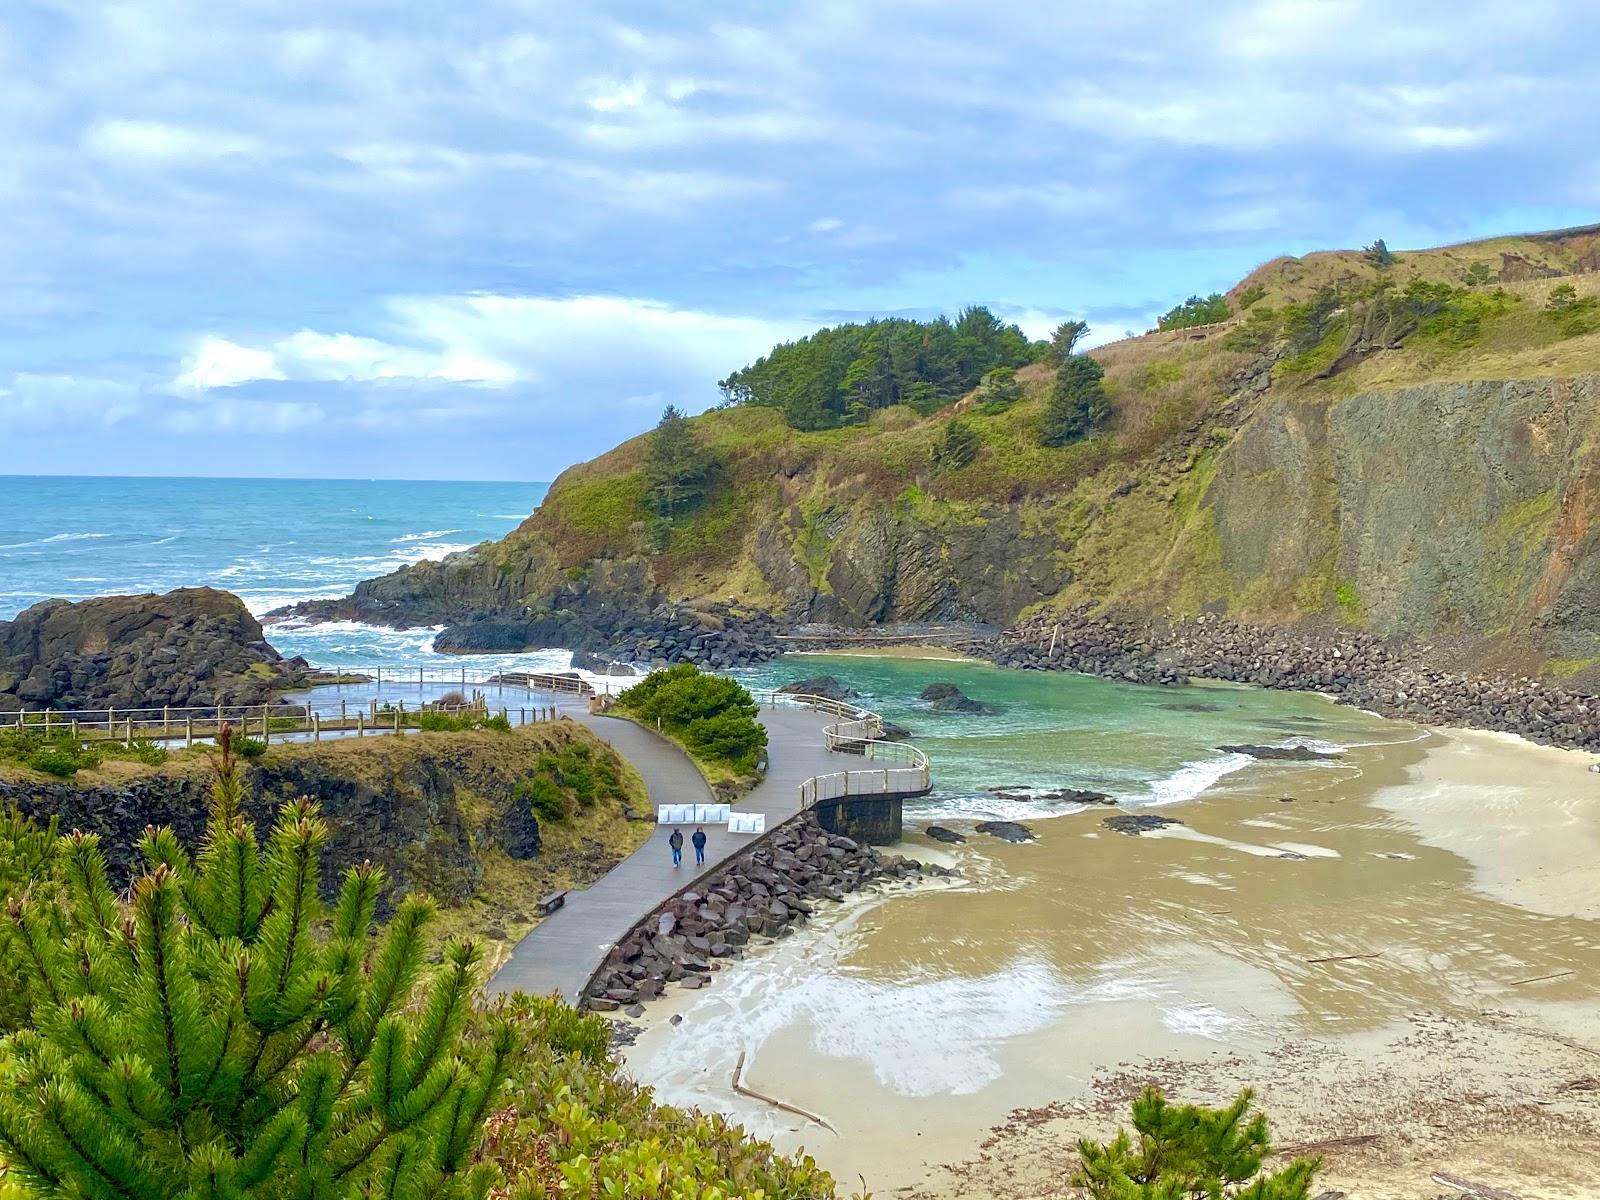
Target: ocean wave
[
  {"x": 434, "y": 553},
  {"x": 1192, "y": 779},
  {"x": 55, "y": 537},
  {"x": 426, "y": 536}
]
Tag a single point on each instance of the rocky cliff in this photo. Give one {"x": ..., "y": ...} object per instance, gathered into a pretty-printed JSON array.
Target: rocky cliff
[
  {"x": 431, "y": 809},
  {"x": 1405, "y": 450},
  {"x": 193, "y": 646}
]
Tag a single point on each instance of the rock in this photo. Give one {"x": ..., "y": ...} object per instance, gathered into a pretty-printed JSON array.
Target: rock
[
  {"x": 1061, "y": 795},
  {"x": 825, "y": 686},
  {"x": 1008, "y": 831},
  {"x": 1137, "y": 823},
  {"x": 193, "y": 647},
  {"x": 675, "y": 1019},
  {"x": 940, "y": 834},
  {"x": 947, "y": 697},
  {"x": 893, "y": 731},
  {"x": 634, "y": 1010},
  {"x": 1281, "y": 753}
]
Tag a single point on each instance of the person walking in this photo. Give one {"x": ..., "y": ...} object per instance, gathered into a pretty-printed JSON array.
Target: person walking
[
  {"x": 699, "y": 840},
  {"x": 676, "y": 842}
]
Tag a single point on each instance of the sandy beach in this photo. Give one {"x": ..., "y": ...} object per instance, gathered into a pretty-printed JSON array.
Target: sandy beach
[{"x": 1398, "y": 952}]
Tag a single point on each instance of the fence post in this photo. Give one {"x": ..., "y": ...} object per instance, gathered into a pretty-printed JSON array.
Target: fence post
[
  {"x": 219, "y": 720},
  {"x": 361, "y": 723},
  {"x": 166, "y": 717},
  {"x": 74, "y": 728},
  {"x": 110, "y": 721},
  {"x": 886, "y": 781},
  {"x": 374, "y": 703},
  {"x": 266, "y": 727},
  {"x": 316, "y": 728},
  {"x": 128, "y": 740},
  {"x": 342, "y": 717},
  {"x": 378, "y": 678},
  {"x": 397, "y": 713},
  {"x": 188, "y": 732}
]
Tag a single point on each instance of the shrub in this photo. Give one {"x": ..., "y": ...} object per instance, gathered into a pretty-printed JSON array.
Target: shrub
[
  {"x": 712, "y": 715},
  {"x": 63, "y": 759},
  {"x": 433, "y": 721},
  {"x": 543, "y": 796},
  {"x": 1379, "y": 255},
  {"x": 1571, "y": 315},
  {"x": 150, "y": 753},
  {"x": 1078, "y": 403},
  {"x": 1187, "y": 1151},
  {"x": 1250, "y": 296},
  {"x": 247, "y": 747}
]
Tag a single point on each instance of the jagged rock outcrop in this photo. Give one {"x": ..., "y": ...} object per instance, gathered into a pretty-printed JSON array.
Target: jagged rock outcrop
[{"x": 193, "y": 646}]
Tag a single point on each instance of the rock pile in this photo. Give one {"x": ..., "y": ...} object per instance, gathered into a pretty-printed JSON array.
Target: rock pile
[
  {"x": 190, "y": 647},
  {"x": 760, "y": 894},
  {"x": 1393, "y": 676}
]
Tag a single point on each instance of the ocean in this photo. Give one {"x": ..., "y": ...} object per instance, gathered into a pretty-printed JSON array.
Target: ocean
[{"x": 274, "y": 541}]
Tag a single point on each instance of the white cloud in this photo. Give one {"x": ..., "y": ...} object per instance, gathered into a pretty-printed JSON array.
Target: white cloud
[
  {"x": 492, "y": 340},
  {"x": 158, "y": 143},
  {"x": 217, "y": 362},
  {"x": 825, "y": 225},
  {"x": 43, "y": 401}
]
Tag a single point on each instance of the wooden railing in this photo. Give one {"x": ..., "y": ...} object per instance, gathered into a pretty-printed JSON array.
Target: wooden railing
[{"x": 858, "y": 731}]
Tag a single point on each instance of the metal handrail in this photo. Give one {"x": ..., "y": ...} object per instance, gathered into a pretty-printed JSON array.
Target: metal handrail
[{"x": 859, "y": 732}]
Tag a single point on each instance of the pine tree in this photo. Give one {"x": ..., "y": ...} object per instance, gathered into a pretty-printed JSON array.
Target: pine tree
[
  {"x": 1078, "y": 403},
  {"x": 1185, "y": 1152},
  {"x": 202, "y": 1040},
  {"x": 676, "y": 469},
  {"x": 27, "y": 862}
]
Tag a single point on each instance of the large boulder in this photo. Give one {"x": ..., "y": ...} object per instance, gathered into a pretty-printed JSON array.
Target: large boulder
[
  {"x": 825, "y": 686},
  {"x": 193, "y": 646},
  {"x": 947, "y": 697}
]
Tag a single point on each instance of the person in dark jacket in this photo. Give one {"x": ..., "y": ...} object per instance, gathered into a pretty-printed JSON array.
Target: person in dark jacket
[
  {"x": 676, "y": 842},
  {"x": 699, "y": 840}
]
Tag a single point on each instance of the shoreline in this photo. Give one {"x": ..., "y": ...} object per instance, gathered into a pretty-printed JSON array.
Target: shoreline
[{"x": 1449, "y": 1045}]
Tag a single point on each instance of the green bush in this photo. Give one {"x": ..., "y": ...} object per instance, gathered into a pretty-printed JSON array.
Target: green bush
[
  {"x": 1185, "y": 1151},
  {"x": 1571, "y": 315},
  {"x": 248, "y": 747},
  {"x": 28, "y": 855},
  {"x": 998, "y": 390},
  {"x": 433, "y": 721},
  {"x": 63, "y": 759},
  {"x": 543, "y": 796},
  {"x": 152, "y": 754},
  {"x": 712, "y": 715}
]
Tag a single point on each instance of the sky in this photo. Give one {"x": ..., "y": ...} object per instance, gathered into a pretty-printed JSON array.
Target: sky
[{"x": 486, "y": 240}]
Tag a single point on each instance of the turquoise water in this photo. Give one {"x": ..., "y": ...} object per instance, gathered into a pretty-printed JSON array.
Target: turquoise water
[
  {"x": 1143, "y": 745},
  {"x": 276, "y": 541}
]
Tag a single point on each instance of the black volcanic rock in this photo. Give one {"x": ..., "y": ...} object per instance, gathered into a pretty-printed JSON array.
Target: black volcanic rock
[
  {"x": 948, "y": 836},
  {"x": 1281, "y": 753},
  {"x": 1007, "y": 831},
  {"x": 947, "y": 697},
  {"x": 1137, "y": 823},
  {"x": 825, "y": 686},
  {"x": 190, "y": 647}
]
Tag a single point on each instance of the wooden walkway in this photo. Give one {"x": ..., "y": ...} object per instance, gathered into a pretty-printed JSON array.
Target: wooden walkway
[{"x": 564, "y": 950}]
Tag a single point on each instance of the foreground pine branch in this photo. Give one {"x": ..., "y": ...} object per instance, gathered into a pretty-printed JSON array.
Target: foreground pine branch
[{"x": 204, "y": 1040}]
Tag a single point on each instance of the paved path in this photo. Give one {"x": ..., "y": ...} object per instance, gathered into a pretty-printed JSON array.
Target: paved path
[{"x": 564, "y": 950}]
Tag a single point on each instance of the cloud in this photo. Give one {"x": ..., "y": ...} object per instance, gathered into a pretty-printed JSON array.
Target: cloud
[{"x": 495, "y": 209}]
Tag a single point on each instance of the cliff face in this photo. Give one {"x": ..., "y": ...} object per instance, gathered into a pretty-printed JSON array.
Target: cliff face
[{"x": 1419, "y": 464}]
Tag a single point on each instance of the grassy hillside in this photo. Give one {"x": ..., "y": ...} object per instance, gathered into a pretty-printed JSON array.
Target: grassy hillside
[{"x": 1265, "y": 465}]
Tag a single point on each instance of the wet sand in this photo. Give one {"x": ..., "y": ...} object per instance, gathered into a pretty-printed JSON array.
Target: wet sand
[{"x": 1402, "y": 945}]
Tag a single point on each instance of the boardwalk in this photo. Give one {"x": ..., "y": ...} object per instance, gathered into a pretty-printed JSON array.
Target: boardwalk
[{"x": 561, "y": 953}]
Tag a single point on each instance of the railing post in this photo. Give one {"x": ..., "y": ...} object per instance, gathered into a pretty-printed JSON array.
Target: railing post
[
  {"x": 342, "y": 715},
  {"x": 361, "y": 723},
  {"x": 316, "y": 728},
  {"x": 128, "y": 738},
  {"x": 188, "y": 732},
  {"x": 110, "y": 720}
]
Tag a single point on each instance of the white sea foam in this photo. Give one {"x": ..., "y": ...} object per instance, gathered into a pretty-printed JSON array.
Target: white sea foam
[
  {"x": 433, "y": 553},
  {"x": 1199, "y": 1020},
  {"x": 72, "y": 537},
  {"x": 425, "y": 536},
  {"x": 1193, "y": 779}
]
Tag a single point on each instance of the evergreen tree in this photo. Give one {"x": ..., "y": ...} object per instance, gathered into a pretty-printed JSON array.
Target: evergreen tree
[
  {"x": 1078, "y": 403},
  {"x": 998, "y": 390},
  {"x": 1379, "y": 255},
  {"x": 27, "y": 863},
  {"x": 677, "y": 470},
  {"x": 201, "y": 1041},
  {"x": 958, "y": 447},
  {"x": 1196, "y": 311},
  {"x": 1184, "y": 1152},
  {"x": 1066, "y": 337}
]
